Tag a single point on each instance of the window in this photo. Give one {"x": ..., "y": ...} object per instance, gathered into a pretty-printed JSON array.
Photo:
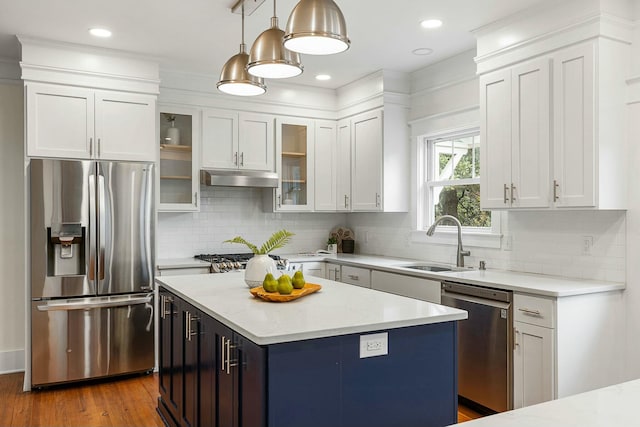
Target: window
[{"x": 451, "y": 181}]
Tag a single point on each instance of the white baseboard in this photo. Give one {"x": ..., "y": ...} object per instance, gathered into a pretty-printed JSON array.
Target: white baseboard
[{"x": 11, "y": 361}]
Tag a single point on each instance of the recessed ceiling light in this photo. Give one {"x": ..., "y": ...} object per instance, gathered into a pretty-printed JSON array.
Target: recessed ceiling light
[
  {"x": 431, "y": 23},
  {"x": 323, "y": 77},
  {"x": 422, "y": 51},
  {"x": 100, "y": 32}
]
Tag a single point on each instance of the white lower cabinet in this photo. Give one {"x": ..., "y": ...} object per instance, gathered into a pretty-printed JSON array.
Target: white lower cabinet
[
  {"x": 533, "y": 375},
  {"x": 333, "y": 272},
  {"x": 566, "y": 345},
  {"x": 356, "y": 276},
  {"x": 311, "y": 268},
  {"x": 407, "y": 286}
]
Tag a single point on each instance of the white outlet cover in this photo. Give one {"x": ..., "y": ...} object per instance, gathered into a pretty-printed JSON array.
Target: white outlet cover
[{"x": 374, "y": 345}]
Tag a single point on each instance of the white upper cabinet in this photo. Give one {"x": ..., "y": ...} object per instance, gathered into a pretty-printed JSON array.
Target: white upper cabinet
[
  {"x": 125, "y": 126},
  {"x": 515, "y": 118},
  {"x": 233, "y": 140},
  {"x": 295, "y": 142},
  {"x": 552, "y": 118},
  {"x": 574, "y": 136},
  {"x": 70, "y": 122},
  {"x": 379, "y": 161},
  {"x": 366, "y": 161},
  {"x": 326, "y": 166},
  {"x": 343, "y": 166}
]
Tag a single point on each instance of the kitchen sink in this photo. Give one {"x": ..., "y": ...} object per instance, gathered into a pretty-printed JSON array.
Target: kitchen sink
[{"x": 428, "y": 267}]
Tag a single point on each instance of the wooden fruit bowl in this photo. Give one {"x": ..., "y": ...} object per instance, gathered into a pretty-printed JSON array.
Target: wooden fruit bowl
[{"x": 308, "y": 288}]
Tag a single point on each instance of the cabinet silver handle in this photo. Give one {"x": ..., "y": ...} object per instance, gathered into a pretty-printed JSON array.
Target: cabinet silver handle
[
  {"x": 504, "y": 192},
  {"x": 531, "y": 312},
  {"x": 377, "y": 200},
  {"x": 513, "y": 189},
  {"x": 279, "y": 201},
  {"x": 188, "y": 329},
  {"x": 242, "y": 159},
  {"x": 163, "y": 302},
  {"x": 227, "y": 362},
  {"x": 346, "y": 201},
  {"x": 90, "y": 147},
  {"x": 99, "y": 148},
  {"x": 354, "y": 277},
  {"x": 515, "y": 338},
  {"x": 235, "y": 158},
  {"x": 222, "y": 340},
  {"x": 195, "y": 198},
  {"x": 555, "y": 190}
]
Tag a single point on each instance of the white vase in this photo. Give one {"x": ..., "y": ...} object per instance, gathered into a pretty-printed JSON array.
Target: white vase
[
  {"x": 173, "y": 136},
  {"x": 257, "y": 267}
]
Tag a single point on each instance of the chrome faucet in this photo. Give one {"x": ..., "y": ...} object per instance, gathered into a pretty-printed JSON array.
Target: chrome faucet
[{"x": 461, "y": 252}]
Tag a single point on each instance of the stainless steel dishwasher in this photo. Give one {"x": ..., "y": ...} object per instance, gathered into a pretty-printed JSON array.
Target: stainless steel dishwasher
[{"x": 485, "y": 353}]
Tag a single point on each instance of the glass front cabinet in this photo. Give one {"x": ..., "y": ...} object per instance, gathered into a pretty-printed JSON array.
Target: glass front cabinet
[
  {"x": 178, "y": 172},
  {"x": 294, "y": 164}
]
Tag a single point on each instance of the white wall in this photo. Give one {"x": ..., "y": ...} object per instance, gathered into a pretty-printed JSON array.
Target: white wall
[
  {"x": 226, "y": 212},
  {"x": 12, "y": 217}
]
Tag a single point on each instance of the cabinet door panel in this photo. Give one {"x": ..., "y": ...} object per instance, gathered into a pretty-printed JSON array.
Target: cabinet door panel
[
  {"x": 574, "y": 137},
  {"x": 533, "y": 361},
  {"x": 220, "y": 139},
  {"x": 256, "y": 142},
  {"x": 59, "y": 121},
  {"x": 295, "y": 142},
  {"x": 366, "y": 161},
  {"x": 530, "y": 138},
  {"x": 407, "y": 286},
  {"x": 343, "y": 166},
  {"x": 325, "y": 169},
  {"x": 125, "y": 126},
  {"x": 495, "y": 139}
]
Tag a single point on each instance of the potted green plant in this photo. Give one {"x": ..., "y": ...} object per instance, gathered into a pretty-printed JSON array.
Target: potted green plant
[
  {"x": 261, "y": 264},
  {"x": 332, "y": 244}
]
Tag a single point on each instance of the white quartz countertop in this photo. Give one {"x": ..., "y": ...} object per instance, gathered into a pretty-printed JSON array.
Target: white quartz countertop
[
  {"x": 536, "y": 284},
  {"x": 337, "y": 309},
  {"x": 612, "y": 406}
]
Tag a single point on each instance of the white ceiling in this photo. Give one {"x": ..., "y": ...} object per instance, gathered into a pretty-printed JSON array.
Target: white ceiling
[{"x": 200, "y": 35}]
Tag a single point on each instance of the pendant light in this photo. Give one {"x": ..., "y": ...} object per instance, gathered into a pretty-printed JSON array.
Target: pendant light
[
  {"x": 234, "y": 78},
  {"x": 269, "y": 58},
  {"x": 316, "y": 27}
]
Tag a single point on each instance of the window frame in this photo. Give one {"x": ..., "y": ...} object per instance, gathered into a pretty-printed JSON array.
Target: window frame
[{"x": 489, "y": 237}]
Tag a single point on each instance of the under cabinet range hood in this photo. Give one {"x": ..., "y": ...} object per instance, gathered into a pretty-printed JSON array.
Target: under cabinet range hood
[{"x": 238, "y": 178}]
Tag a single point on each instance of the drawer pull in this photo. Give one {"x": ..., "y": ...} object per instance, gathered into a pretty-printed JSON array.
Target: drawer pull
[
  {"x": 531, "y": 312},
  {"x": 354, "y": 277}
]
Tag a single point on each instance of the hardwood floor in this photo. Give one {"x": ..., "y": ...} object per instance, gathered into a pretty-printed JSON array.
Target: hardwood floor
[
  {"x": 123, "y": 402},
  {"x": 467, "y": 414},
  {"x": 127, "y": 402}
]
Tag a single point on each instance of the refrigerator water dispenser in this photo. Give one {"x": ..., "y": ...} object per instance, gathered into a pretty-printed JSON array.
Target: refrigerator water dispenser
[{"x": 66, "y": 249}]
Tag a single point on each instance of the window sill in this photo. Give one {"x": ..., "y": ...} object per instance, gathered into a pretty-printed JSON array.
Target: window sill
[{"x": 469, "y": 239}]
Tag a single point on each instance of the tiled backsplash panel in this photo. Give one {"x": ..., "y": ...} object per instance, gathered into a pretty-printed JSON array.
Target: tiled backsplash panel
[
  {"x": 226, "y": 212},
  {"x": 547, "y": 242}
]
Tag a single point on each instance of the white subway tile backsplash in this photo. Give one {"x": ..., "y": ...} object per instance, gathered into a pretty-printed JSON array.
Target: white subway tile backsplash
[{"x": 229, "y": 212}]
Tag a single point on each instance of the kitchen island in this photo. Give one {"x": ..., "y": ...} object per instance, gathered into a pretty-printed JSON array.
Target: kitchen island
[{"x": 344, "y": 356}]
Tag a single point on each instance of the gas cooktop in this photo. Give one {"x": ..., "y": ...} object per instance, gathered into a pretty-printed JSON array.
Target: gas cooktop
[{"x": 222, "y": 263}]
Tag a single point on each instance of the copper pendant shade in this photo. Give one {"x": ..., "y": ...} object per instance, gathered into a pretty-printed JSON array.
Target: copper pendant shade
[{"x": 316, "y": 27}]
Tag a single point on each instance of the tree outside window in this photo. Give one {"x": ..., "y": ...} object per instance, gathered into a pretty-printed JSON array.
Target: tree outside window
[{"x": 453, "y": 180}]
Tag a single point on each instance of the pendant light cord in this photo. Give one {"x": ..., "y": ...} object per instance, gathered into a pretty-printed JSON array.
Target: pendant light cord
[
  {"x": 243, "y": 24},
  {"x": 274, "y": 9}
]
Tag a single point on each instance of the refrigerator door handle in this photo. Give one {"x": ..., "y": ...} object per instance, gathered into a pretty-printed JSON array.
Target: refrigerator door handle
[
  {"x": 91, "y": 238},
  {"x": 92, "y": 303},
  {"x": 101, "y": 219}
]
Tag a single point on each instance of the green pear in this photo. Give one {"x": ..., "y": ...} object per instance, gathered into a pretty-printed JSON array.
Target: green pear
[
  {"x": 284, "y": 285},
  {"x": 298, "y": 280},
  {"x": 270, "y": 284}
]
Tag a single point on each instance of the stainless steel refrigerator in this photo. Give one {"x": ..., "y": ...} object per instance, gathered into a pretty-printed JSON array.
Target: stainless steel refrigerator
[{"x": 92, "y": 263}]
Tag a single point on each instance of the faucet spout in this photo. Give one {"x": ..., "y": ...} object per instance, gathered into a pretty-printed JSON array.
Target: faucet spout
[{"x": 461, "y": 253}]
